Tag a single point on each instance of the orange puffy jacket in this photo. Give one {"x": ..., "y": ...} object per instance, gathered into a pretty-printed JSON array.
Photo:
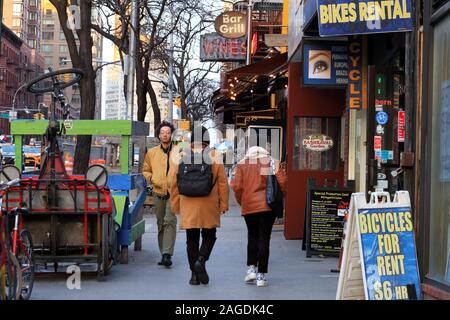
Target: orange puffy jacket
[{"x": 249, "y": 184}]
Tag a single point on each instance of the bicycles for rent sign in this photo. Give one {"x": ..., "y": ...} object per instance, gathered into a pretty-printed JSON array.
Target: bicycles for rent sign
[
  {"x": 348, "y": 17},
  {"x": 380, "y": 260}
]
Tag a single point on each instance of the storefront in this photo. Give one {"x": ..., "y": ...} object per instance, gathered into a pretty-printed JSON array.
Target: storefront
[
  {"x": 365, "y": 115},
  {"x": 434, "y": 236}
]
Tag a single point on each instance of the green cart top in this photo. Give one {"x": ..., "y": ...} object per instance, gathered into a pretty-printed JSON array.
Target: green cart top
[{"x": 83, "y": 127}]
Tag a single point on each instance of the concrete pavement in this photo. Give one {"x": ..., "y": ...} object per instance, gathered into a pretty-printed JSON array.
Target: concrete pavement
[{"x": 291, "y": 275}]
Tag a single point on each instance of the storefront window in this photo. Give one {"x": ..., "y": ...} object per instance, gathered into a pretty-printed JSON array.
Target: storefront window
[
  {"x": 316, "y": 143},
  {"x": 439, "y": 262}
]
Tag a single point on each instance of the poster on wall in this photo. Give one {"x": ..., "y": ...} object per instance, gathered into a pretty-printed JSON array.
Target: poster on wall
[
  {"x": 445, "y": 131},
  {"x": 325, "y": 63},
  {"x": 346, "y": 17}
]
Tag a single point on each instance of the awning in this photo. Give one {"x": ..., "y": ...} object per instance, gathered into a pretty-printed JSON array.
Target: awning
[{"x": 264, "y": 67}]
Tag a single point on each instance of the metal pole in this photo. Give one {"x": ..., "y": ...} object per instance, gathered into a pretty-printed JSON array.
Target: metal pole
[
  {"x": 131, "y": 62},
  {"x": 249, "y": 27},
  {"x": 170, "y": 80}
]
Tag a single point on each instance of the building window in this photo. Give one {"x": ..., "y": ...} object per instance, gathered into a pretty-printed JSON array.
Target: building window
[
  {"x": 439, "y": 259},
  {"x": 32, "y": 16},
  {"x": 48, "y": 61},
  {"x": 17, "y": 22},
  {"x": 63, "y": 49},
  {"x": 32, "y": 30},
  {"x": 48, "y": 48},
  {"x": 48, "y": 35},
  {"x": 33, "y": 3},
  {"x": 48, "y": 23},
  {"x": 316, "y": 143},
  {"x": 62, "y": 36},
  {"x": 17, "y": 9},
  {"x": 32, "y": 43}
]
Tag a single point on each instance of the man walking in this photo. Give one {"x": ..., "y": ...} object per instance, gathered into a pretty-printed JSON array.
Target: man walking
[{"x": 156, "y": 170}]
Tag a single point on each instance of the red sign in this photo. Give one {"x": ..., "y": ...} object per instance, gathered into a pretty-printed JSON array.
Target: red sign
[
  {"x": 377, "y": 143},
  {"x": 213, "y": 47},
  {"x": 401, "y": 126}
]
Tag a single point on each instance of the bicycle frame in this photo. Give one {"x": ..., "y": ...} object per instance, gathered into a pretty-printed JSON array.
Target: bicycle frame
[{"x": 17, "y": 239}]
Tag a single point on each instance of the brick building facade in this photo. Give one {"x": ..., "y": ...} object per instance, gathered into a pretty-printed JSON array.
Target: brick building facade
[{"x": 18, "y": 65}]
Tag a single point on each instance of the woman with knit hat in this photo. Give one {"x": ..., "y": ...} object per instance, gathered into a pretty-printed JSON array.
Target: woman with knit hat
[{"x": 249, "y": 185}]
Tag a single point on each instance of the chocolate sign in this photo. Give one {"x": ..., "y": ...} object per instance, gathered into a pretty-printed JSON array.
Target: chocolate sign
[{"x": 318, "y": 143}]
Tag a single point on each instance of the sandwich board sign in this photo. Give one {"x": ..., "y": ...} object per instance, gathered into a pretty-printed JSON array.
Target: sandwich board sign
[{"x": 379, "y": 258}]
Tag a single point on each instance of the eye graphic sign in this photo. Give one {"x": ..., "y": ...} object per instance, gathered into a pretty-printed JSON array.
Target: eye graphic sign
[{"x": 325, "y": 64}]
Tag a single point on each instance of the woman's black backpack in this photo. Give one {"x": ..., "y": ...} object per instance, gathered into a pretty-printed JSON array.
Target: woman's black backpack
[{"x": 195, "y": 179}]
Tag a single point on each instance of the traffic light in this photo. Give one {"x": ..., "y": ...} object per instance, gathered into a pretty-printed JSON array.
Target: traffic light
[
  {"x": 38, "y": 116},
  {"x": 177, "y": 102}
]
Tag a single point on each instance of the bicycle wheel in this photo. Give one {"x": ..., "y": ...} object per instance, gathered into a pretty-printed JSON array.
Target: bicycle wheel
[
  {"x": 13, "y": 281},
  {"x": 64, "y": 78},
  {"x": 25, "y": 257}
]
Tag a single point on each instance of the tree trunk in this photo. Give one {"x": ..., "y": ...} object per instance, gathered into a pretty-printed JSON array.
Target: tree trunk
[
  {"x": 141, "y": 92},
  {"x": 87, "y": 86},
  {"x": 83, "y": 147},
  {"x": 155, "y": 106},
  {"x": 142, "y": 81}
]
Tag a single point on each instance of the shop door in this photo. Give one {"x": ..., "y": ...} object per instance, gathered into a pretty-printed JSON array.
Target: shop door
[
  {"x": 314, "y": 149},
  {"x": 385, "y": 129}
]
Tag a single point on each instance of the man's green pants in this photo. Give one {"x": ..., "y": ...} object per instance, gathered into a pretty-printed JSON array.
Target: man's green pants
[{"x": 167, "y": 225}]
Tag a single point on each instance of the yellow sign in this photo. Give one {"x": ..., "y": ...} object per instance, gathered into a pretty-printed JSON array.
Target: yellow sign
[{"x": 185, "y": 125}]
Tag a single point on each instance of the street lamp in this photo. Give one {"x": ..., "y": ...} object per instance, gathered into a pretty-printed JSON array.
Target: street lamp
[{"x": 14, "y": 99}]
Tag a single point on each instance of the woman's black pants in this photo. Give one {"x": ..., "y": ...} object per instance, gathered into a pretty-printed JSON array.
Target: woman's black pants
[
  {"x": 194, "y": 250},
  {"x": 259, "y": 227}
]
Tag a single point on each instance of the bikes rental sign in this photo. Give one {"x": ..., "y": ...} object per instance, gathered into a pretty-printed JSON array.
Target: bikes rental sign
[{"x": 346, "y": 17}]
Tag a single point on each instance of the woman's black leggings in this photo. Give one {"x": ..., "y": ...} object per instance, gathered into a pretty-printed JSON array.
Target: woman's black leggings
[
  {"x": 259, "y": 226},
  {"x": 194, "y": 250}
]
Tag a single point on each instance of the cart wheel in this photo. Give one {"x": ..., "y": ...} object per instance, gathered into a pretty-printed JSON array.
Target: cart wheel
[
  {"x": 124, "y": 254},
  {"x": 138, "y": 244},
  {"x": 106, "y": 256}
]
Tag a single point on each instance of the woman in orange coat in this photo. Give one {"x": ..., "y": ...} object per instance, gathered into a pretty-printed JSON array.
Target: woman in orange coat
[
  {"x": 200, "y": 214},
  {"x": 249, "y": 185}
]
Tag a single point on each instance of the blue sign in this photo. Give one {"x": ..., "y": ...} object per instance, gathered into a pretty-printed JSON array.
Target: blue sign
[
  {"x": 382, "y": 117},
  {"x": 389, "y": 254},
  {"x": 346, "y": 17},
  {"x": 325, "y": 63}
]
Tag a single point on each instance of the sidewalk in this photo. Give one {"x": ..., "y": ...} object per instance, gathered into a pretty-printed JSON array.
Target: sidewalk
[{"x": 291, "y": 275}]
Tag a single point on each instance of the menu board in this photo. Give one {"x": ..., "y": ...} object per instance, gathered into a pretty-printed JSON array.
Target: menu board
[{"x": 326, "y": 210}]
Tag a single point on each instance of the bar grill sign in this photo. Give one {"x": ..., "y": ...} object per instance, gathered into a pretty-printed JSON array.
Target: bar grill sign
[{"x": 346, "y": 17}]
